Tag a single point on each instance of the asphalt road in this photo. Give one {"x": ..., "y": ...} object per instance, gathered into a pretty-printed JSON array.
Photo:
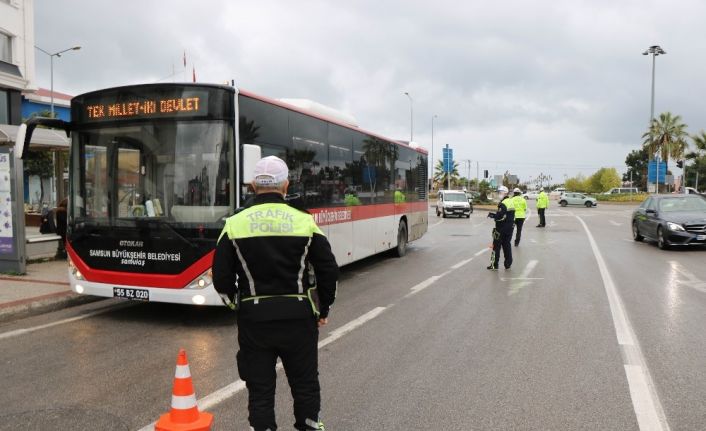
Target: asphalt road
[{"x": 588, "y": 330}]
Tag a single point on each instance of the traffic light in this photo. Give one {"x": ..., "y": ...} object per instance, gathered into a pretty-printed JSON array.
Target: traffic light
[
  {"x": 680, "y": 163},
  {"x": 485, "y": 173}
]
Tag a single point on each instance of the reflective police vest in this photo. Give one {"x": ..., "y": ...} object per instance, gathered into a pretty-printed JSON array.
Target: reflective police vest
[
  {"x": 275, "y": 279},
  {"x": 520, "y": 206}
]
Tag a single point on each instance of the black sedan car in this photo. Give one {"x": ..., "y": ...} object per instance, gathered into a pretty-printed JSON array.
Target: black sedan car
[{"x": 671, "y": 220}]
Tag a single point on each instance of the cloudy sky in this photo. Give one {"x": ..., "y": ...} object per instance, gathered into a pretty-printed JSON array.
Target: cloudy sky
[{"x": 528, "y": 87}]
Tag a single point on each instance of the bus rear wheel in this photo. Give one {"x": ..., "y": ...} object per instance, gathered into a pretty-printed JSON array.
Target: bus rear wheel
[{"x": 401, "y": 248}]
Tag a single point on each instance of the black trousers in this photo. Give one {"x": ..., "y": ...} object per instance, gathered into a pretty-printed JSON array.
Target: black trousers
[
  {"x": 502, "y": 240},
  {"x": 295, "y": 342},
  {"x": 542, "y": 221},
  {"x": 519, "y": 222}
]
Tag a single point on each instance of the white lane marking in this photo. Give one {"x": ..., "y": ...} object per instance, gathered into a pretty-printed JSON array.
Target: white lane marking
[
  {"x": 647, "y": 418},
  {"x": 648, "y": 408},
  {"x": 23, "y": 331},
  {"x": 520, "y": 278},
  {"x": 348, "y": 327},
  {"x": 522, "y": 281},
  {"x": 463, "y": 262},
  {"x": 231, "y": 389},
  {"x": 615, "y": 223},
  {"x": 424, "y": 284},
  {"x": 691, "y": 281}
]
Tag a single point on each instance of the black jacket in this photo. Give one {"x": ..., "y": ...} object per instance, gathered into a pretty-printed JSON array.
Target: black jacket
[
  {"x": 504, "y": 219},
  {"x": 269, "y": 250}
]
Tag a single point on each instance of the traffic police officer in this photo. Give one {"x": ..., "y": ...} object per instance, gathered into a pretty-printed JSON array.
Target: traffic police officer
[
  {"x": 275, "y": 266},
  {"x": 542, "y": 204},
  {"x": 502, "y": 233},
  {"x": 520, "y": 204}
]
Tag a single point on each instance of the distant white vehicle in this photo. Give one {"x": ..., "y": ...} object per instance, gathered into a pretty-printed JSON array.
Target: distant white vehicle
[
  {"x": 557, "y": 192},
  {"x": 692, "y": 191},
  {"x": 530, "y": 195}
]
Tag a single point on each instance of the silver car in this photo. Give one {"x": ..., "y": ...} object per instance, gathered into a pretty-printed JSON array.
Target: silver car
[{"x": 571, "y": 198}]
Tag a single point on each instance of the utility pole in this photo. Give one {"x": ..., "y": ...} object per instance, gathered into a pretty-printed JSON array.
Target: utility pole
[{"x": 655, "y": 50}]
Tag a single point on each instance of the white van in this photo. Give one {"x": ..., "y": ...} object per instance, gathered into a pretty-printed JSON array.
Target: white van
[
  {"x": 452, "y": 202},
  {"x": 556, "y": 193}
]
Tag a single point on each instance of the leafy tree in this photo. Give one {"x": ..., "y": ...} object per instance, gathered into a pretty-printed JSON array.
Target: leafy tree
[
  {"x": 576, "y": 184},
  {"x": 697, "y": 170},
  {"x": 666, "y": 134},
  {"x": 609, "y": 178},
  {"x": 637, "y": 162},
  {"x": 40, "y": 163}
]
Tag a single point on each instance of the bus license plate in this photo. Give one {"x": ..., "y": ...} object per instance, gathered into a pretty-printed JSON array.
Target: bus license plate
[{"x": 132, "y": 294}]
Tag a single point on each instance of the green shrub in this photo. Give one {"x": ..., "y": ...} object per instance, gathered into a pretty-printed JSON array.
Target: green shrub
[{"x": 623, "y": 197}]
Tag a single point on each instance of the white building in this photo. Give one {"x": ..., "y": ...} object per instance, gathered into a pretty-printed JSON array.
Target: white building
[{"x": 16, "y": 57}]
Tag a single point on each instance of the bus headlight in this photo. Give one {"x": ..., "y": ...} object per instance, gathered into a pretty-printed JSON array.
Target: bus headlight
[
  {"x": 201, "y": 281},
  {"x": 198, "y": 299},
  {"x": 74, "y": 271}
]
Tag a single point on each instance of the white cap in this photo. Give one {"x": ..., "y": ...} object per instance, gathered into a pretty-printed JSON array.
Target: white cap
[
  {"x": 269, "y": 171},
  {"x": 502, "y": 189},
  {"x": 516, "y": 190},
  {"x": 541, "y": 189}
]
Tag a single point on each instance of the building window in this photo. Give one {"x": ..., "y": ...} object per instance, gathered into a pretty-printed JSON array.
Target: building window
[
  {"x": 4, "y": 107},
  {"x": 5, "y": 48}
]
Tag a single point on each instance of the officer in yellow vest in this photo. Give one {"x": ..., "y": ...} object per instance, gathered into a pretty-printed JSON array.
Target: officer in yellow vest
[
  {"x": 542, "y": 204},
  {"x": 276, "y": 265},
  {"x": 520, "y": 205}
]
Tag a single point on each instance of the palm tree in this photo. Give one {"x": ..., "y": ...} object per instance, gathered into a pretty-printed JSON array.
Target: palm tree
[
  {"x": 440, "y": 177},
  {"x": 667, "y": 134},
  {"x": 699, "y": 141}
]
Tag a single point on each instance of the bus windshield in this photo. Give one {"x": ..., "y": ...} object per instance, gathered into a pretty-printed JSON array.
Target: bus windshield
[{"x": 177, "y": 172}]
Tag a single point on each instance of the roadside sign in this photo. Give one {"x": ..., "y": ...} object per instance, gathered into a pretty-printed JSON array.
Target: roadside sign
[
  {"x": 652, "y": 171},
  {"x": 448, "y": 155}
]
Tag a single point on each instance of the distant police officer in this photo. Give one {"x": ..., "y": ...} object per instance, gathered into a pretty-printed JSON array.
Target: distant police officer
[
  {"x": 520, "y": 204},
  {"x": 502, "y": 233},
  {"x": 277, "y": 266},
  {"x": 542, "y": 204}
]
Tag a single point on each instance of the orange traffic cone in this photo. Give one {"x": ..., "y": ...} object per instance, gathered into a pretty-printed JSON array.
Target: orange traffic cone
[{"x": 184, "y": 414}]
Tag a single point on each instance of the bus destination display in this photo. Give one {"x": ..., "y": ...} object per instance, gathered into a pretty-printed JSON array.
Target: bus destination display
[{"x": 146, "y": 108}]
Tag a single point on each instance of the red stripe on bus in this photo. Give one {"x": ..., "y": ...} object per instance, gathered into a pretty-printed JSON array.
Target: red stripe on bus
[
  {"x": 169, "y": 281},
  {"x": 336, "y": 215},
  {"x": 322, "y": 216}
]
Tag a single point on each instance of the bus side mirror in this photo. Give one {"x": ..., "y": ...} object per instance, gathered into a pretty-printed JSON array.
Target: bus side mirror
[
  {"x": 251, "y": 155},
  {"x": 20, "y": 141},
  {"x": 24, "y": 133}
]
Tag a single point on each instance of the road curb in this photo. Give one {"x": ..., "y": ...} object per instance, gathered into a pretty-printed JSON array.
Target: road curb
[{"x": 43, "y": 304}]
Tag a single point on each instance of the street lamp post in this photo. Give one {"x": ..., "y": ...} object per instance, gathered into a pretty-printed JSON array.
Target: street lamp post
[
  {"x": 51, "y": 68},
  {"x": 432, "y": 150},
  {"x": 411, "y": 117},
  {"x": 655, "y": 50}
]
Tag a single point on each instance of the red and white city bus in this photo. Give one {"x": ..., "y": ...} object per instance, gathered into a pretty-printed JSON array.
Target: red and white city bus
[{"x": 156, "y": 169}]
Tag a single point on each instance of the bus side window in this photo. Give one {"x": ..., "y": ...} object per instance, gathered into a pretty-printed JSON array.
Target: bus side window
[{"x": 338, "y": 181}]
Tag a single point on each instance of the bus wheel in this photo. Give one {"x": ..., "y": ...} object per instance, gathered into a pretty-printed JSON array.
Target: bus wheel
[{"x": 401, "y": 248}]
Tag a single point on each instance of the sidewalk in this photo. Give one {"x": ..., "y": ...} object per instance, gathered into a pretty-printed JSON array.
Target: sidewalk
[{"x": 45, "y": 287}]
